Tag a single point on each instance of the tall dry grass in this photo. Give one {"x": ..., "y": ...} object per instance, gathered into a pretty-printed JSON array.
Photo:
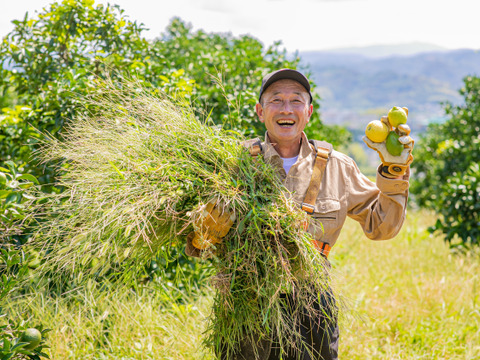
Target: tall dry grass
[{"x": 410, "y": 298}]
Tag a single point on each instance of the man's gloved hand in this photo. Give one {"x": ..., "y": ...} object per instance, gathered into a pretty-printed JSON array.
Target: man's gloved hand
[
  {"x": 394, "y": 166},
  {"x": 211, "y": 225}
]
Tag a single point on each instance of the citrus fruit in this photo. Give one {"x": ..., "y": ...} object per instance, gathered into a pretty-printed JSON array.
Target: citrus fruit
[
  {"x": 397, "y": 116},
  {"x": 31, "y": 336},
  {"x": 376, "y": 131},
  {"x": 394, "y": 146}
]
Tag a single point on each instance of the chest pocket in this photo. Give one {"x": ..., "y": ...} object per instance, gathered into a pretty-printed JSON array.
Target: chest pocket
[{"x": 324, "y": 220}]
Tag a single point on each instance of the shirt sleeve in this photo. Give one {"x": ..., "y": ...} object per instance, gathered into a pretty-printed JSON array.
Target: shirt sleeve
[{"x": 379, "y": 208}]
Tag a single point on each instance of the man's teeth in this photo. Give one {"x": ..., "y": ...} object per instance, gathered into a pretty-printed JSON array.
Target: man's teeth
[{"x": 285, "y": 122}]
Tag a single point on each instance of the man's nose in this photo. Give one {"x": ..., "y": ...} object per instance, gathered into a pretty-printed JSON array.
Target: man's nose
[{"x": 286, "y": 107}]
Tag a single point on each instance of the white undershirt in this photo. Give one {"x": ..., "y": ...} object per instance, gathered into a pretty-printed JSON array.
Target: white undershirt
[{"x": 288, "y": 162}]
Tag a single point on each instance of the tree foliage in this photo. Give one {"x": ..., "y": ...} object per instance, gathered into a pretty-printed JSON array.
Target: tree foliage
[
  {"x": 447, "y": 170},
  {"x": 15, "y": 261},
  {"x": 226, "y": 66},
  {"x": 48, "y": 59}
]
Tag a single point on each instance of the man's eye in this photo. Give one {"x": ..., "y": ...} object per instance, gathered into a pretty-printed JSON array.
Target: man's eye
[{"x": 276, "y": 101}]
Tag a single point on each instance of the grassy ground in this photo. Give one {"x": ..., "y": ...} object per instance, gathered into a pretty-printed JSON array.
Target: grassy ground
[{"x": 409, "y": 298}]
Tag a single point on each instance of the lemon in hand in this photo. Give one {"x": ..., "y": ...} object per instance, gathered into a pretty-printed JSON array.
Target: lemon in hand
[
  {"x": 376, "y": 131},
  {"x": 397, "y": 116}
]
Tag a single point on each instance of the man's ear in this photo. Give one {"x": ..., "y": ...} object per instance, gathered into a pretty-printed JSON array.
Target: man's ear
[
  {"x": 259, "y": 110},
  {"x": 310, "y": 112}
]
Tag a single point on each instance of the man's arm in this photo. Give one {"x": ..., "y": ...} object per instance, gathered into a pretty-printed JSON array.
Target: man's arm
[{"x": 379, "y": 208}]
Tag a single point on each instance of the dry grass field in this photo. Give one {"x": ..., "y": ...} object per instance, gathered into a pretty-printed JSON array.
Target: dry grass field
[{"x": 407, "y": 298}]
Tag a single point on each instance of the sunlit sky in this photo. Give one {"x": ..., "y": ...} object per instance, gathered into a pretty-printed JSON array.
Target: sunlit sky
[{"x": 302, "y": 24}]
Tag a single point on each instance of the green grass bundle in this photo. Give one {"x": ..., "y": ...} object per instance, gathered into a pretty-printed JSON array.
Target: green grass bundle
[{"x": 137, "y": 171}]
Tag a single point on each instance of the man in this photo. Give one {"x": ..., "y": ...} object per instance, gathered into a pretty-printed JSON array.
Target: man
[{"x": 326, "y": 184}]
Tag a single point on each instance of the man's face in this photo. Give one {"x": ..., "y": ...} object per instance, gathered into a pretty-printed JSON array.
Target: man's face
[{"x": 285, "y": 111}]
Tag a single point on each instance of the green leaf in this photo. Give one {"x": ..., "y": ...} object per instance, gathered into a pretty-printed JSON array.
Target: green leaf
[
  {"x": 28, "y": 177},
  {"x": 3, "y": 179},
  {"x": 12, "y": 197},
  {"x": 11, "y": 166},
  {"x": 6, "y": 344},
  {"x": 4, "y": 193},
  {"x": 19, "y": 346}
]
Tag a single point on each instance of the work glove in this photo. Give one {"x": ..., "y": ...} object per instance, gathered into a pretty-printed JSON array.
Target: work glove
[
  {"x": 394, "y": 166},
  {"x": 212, "y": 223}
]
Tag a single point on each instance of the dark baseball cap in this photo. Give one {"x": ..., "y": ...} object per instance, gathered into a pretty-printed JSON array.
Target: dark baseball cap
[{"x": 281, "y": 74}]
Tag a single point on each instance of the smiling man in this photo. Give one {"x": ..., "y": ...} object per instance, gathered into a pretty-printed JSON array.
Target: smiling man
[{"x": 327, "y": 185}]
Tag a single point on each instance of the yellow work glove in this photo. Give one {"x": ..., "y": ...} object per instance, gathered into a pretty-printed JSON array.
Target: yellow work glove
[
  {"x": 401, "y": 144},
  {"x": 211, "y": 225}
]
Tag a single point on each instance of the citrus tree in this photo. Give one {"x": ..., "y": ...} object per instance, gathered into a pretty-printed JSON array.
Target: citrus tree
[
  {"x": 447, "y": 175},
  {"x": 227, "y": 71},
  {"x": 18, "y": 339},
  {"x": 48, "y": 60}
]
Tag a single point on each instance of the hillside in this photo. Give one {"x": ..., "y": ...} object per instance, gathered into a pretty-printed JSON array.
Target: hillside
[
  {"x": 388, "y": 50},
  {"x": 356, "y": 87}
]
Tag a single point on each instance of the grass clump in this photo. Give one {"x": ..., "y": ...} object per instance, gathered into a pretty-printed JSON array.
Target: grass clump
[{"x": 137, "y": 172}]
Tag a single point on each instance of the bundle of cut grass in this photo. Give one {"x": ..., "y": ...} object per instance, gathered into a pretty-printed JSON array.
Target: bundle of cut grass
[{"x": 138, "y": 171}]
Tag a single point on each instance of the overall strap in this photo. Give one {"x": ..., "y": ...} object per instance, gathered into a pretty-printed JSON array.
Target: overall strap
[{"x": 322, "y": 150}]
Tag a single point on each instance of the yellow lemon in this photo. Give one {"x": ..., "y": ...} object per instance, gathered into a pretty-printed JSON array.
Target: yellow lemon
[
  {"x": 397, "y": 115},
  {"x": 377, "y": 131}
]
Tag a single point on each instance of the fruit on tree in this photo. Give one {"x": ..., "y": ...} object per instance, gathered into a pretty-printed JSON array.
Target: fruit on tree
[
  {"x": 392, "y": 144},
  {"x": 32, "y": 337},
  {"x": 376, "y": 131},
  {"x": 397, "y": 116}
]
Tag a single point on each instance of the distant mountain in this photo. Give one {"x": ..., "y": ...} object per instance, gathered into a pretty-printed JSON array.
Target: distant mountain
[
  {"x": 355, "y": 87},
  {"x": 378, "y": 51}
]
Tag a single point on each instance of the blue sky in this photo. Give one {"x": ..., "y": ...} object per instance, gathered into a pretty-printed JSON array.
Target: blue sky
[{"x": 303, "y": 24}]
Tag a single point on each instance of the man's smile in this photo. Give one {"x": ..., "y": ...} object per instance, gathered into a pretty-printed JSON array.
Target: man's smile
[{"x": 286, "y": 123}]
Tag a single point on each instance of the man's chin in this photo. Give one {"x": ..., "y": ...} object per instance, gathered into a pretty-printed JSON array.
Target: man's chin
[
  {"x": 290, "y": 131},
  {"x": 284, "y": 138}
]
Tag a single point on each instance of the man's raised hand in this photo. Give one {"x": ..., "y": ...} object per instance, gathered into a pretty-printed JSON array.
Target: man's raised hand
[{"x": 394, "y": 149}]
